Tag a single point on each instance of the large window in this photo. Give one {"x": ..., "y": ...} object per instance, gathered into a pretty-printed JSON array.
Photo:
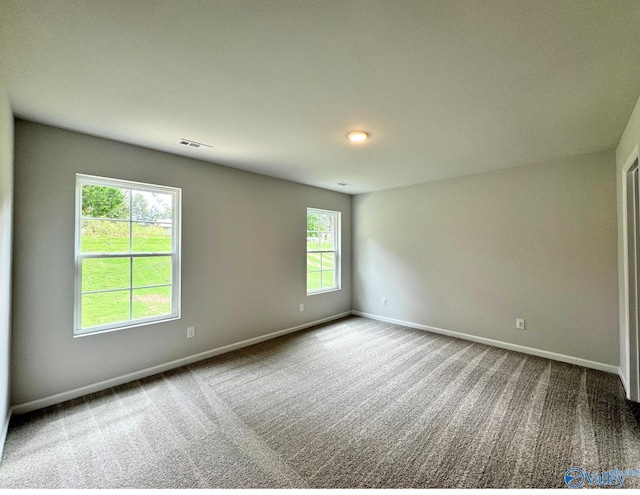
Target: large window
[
  {"x": 127, "y": 254},
  {"x": 323, "y": 250}
]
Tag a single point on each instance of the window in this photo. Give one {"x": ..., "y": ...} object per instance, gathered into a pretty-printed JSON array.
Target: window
[
  {"x": 323, "y": 250},
  {"x": 127, "y": 254}
]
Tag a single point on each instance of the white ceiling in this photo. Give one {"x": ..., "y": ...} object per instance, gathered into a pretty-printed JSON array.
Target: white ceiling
[{"x": 445, "y": 87}]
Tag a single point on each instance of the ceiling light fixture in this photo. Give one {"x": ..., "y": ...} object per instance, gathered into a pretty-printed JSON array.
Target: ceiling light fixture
[{"x": 357, "y": 136}]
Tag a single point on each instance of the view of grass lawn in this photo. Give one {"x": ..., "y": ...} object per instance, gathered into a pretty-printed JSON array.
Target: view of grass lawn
[
  {"x": 322, "y": 236},
  {"x": 137, "y": 278},
  {"x": 101, "y": 236},
  {"x": 142, "y": 286},
  {"x": 126, "y": 255},
  {"x": 321, "y": 267},
  {"x": 112, "y": 307}
]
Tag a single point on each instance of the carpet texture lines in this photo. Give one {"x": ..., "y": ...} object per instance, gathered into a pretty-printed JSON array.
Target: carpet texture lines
[{"x": 354, "y": 403}]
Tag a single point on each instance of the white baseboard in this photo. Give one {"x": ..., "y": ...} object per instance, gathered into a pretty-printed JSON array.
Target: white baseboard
[
  {"x": 112, "y": 382},
  {"x": 4, "y": 432},
  {"x": 624, "y": 383},
  {"x": 137, "y": 375},
  {"x": 503, "y": 345}
]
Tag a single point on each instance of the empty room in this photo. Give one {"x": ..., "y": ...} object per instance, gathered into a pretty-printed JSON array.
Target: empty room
[{"x": 319, "y": 244}]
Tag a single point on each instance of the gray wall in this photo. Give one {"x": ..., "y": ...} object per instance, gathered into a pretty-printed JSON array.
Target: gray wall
[
  {"x": 6, "y": 218},
  {"x": 628, "y": 145},
  {"x": 243, "y": 260},
  {"x": 472, "y": 254}
]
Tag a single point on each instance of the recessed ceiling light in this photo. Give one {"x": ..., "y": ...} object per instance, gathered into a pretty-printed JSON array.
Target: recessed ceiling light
[{"x": 357, "y": 136}]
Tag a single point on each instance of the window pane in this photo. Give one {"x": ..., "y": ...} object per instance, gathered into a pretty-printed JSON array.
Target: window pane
[
  {"x": 313, "y": 241},
  {"x": 327, "y": 241},
  {"x": 323, "y": 262},
  {"x": 151, "y": 302},
  {"x": 164, "y": 205},
  {"x": 312, "y": 222},
  {"x": 151, "y": 271},
  {"x": 313, "y": 262},
  {"x": 104, "y": 236},
  {"x": 328, "y": 261},
  {"x": 151, "y": 238},
  {"x": 105, "y": 202},
  {"x": 104, "y": 308},
  {"x": 105, "y": 274},
  {"x": 313, "y": 280},
  {"x": 151, "y": 207},
  {"x": 328, "y": 279},
  {"x": 116, "y": 217},
  {"x": 325, "y": 223}
]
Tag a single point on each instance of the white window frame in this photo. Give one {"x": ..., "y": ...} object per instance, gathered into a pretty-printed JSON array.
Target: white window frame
[
  {"x": 337, "y": 248},
  {"x": 176, "y": 193}
]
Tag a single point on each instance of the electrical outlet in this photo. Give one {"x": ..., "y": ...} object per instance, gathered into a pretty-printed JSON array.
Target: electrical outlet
[
  {"x": 301, "y": 307},
  {"x": 191, "y": 332},
  {"x": 520, "y": 324},
  {"x": 384, "y": 301}
]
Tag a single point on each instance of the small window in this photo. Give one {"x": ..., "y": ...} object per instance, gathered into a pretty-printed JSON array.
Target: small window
[
  {"x": 127, "y": 254},
  {"x": 323, "y": 250}
]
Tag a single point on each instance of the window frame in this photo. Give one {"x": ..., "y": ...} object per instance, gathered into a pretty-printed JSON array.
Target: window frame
[
  {"x": 337, "y": 243},
  {"x": 79, "y": 256}
]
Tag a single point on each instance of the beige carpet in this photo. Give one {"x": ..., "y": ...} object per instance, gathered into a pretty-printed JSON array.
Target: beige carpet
[{"x": 354, "y": 403}]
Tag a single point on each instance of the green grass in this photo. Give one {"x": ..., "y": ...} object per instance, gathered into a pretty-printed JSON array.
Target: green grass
[
  {"x": 118, "y": 273},
  {"x": 115, "y": 273},
  {"x": 318, "y": 246},
  {"x": 320, "y": 280},
  {"x": 113, "y": 307},
  {"x": 120, "y": 244},
  {"x": 321, "y": 267}
]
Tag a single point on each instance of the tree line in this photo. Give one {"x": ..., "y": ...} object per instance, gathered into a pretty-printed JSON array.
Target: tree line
[{"x": 112, "y": 202}]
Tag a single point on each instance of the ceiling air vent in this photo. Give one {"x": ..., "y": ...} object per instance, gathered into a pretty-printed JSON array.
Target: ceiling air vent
[{"x": 193, "y": 144}]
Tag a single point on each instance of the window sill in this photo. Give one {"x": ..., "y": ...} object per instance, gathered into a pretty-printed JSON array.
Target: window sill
[
  {"x": 87, "y": 333},
  {"x": 322, "y": 291}
]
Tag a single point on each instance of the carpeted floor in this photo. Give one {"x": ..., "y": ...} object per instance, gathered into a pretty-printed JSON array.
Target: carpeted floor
[{"x": 354, "y": 403}]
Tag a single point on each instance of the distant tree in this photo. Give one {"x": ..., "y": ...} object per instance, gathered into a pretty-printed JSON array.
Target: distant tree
[
  {"x": 140, "y": 208},
  {"x": 145, "y": 212},
  {"x": 102, "y": 201},
  {"x": 313, "y": 222},
  {"x": 317, "y": 222}
]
